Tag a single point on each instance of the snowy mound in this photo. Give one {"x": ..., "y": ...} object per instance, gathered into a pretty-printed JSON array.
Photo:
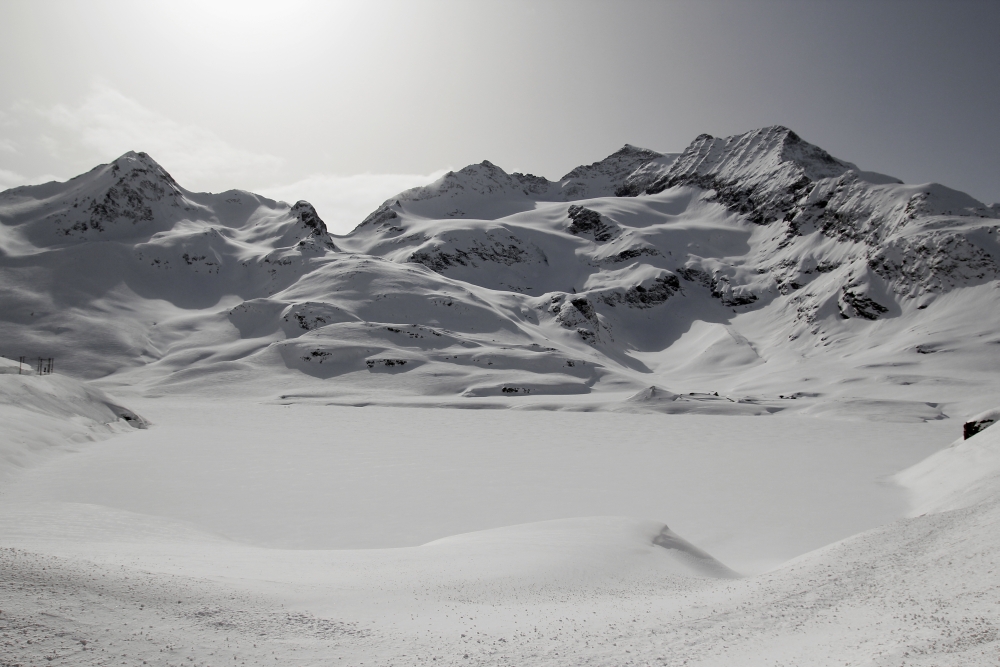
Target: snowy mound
[
  {"x": 44, "y": 413},
  {"x": 963, "y": 475},
  {"x": 600, "y": 544},
  {"x": 654, "y": 395},
  {"x": 757, "y": 270}
]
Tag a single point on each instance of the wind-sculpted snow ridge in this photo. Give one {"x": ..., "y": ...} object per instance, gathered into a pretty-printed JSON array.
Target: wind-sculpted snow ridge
[{"x": 757, "y": 267}]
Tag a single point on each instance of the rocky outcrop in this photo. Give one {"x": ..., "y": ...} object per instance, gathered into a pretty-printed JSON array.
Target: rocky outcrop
[
  {"x": 316, "y": 231},
  {"x": 980, "y": 422},
  {"x": 577, "y": 313},
  {"x": 494, "y": 247},
  {"x": 586, "y": 222},
  {"x": 932, "y": 262},
  {"x": 855, "y": 304},
  {"x": 653, "y": 293},
  {"x": 719, "y": 286},
  {"x": 604, "y": 178}
]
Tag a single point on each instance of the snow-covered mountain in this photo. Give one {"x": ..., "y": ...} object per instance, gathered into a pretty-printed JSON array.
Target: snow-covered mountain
[
  {"x": 748, "y": 274},
  {"x": 744, "y": 276}
]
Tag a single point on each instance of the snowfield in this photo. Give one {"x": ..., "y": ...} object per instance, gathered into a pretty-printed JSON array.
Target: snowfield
[{"x": 671, "y": 409}]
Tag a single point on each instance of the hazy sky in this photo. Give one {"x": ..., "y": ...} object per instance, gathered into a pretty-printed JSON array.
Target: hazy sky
[{"x": 347, "y": 103}]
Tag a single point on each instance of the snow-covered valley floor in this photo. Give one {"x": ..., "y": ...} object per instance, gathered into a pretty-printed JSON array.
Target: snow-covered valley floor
[{"x": 249, "y": 533}]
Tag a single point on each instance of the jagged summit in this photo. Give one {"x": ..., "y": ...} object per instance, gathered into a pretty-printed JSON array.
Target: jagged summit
[
  {"x": 317, "y": 232},
  {"x": 755, "y": 154},
  {"x": 757, "y": 173}
]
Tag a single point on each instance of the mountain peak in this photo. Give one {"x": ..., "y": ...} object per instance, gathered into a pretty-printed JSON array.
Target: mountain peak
[
  {"x": 758, "y": 153},
  {"x": 757, "y": 173},
  {"x": 622, "y": 162},
  {"x": 138, "y": 161}
]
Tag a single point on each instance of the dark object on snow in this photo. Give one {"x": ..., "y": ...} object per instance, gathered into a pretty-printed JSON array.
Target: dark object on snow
[{"x": 974, "y": 427}]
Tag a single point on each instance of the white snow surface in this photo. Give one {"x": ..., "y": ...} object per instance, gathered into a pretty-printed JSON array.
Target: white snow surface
[
  {"x": 752, "y": 342},
  {"x": 43, "y": 415}
]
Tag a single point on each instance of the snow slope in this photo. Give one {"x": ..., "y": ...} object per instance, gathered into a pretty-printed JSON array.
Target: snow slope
[{"x": 963, "y": 475}]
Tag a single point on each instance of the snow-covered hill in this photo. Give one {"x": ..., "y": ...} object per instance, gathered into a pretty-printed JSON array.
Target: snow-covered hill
[{"x": 749, "y": 274}]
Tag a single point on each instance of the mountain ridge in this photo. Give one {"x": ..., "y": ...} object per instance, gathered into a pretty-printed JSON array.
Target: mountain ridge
[{"x": 750, "y": 252}]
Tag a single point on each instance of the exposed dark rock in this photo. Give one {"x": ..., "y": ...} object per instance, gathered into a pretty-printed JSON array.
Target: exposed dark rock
[
  {"x": 579, "y": 314},
  {"x": 933, "y": 262},
  {"x": 140, "y": 182},
  {"x": 388, "y": 363},
  {"x": 378, "y": 216},
  {"x": 631, "y": 253},
  {"x": 971, "y": 428},
  {"x": 719, "y": 286},
  {"x": 639, "y": 296},
  {"x": 853, "y": 304},
  {"x": 318, "y": 232},
  {"x": 584, "y": 306},
  {"x": 589, "y": 222},
  {"x": 439, "y": 260}
]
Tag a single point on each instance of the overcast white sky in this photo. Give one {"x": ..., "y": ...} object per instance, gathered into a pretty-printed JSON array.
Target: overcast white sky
[{"x": 346, "y": 104}]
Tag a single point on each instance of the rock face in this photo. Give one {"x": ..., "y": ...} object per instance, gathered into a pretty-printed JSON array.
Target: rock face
[
  {"x": 588, "y": 223},
  {"x": 980, "y": 422},
  {"x": 314, "y": 227},
  {"x": 760, "y": 174},
  {"x": 971, "y": 428},
  {"x": 486, "y": 279}
]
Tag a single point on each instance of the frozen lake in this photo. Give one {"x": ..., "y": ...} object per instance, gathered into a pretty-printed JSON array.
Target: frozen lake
[{"x": 752, "y": 491}]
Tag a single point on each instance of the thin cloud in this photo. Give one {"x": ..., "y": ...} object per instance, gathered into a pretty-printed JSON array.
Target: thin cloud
[
  {"x": 108, "y": 124},
  {"x": 10, "y": 179}
]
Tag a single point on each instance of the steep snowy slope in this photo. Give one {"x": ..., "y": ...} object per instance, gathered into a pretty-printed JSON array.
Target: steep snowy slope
[{"x": 750, "y": 274}]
